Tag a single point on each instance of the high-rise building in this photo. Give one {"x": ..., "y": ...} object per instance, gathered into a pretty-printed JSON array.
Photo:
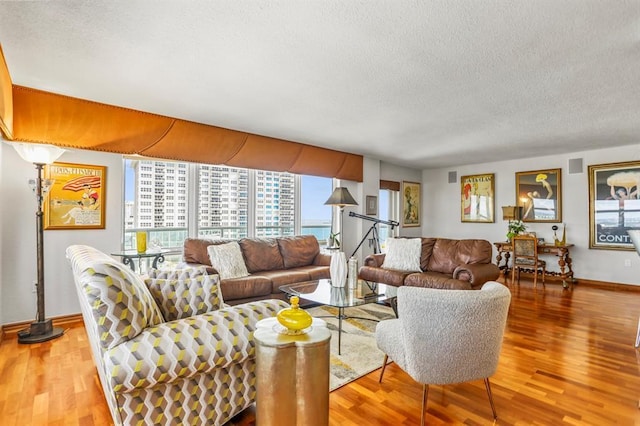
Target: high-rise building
[
  {"x": 222, "y": 201},
  {"x": 275, "y": 203}
]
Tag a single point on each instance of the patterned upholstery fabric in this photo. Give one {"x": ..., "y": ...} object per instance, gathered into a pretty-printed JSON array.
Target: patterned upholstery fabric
[
  {"x": 191, "y": 371},
  {"x": 186, "y": 297},
  {"x": 177, "y": 274}
]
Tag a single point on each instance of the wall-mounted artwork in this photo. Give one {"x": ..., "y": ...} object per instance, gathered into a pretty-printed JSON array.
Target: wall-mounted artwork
[
  {"x": 410, "y": 204},
  {"x": 614, "y": 204},
  {"x": 539, "y": 193},
  {"x": 372, "y": 205},
  {"x": 76, "y": 199},
  {"x": 477, "y": 198}
]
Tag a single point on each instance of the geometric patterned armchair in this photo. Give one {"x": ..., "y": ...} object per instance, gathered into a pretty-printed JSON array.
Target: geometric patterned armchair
[{"x": 167, "y": 350}]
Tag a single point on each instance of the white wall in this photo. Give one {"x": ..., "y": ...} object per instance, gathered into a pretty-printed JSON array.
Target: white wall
[
  {"x": 396, "y": 173},
  {"x": 441, "y": 207},
  {"x": 18, "y": 232}
]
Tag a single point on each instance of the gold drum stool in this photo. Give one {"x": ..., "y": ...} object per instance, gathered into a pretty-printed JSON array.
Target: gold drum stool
[{"x": 292, "y": 375}]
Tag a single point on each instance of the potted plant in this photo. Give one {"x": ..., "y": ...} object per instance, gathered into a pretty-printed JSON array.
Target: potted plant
[{"x": 515, "y": 227}]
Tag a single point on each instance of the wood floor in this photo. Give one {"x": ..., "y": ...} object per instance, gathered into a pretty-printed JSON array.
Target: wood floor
[{"x": 567, "y": 358}]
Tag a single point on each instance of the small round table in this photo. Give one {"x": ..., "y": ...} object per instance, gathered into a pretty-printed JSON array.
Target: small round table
[{"x": 292, "y": 375}]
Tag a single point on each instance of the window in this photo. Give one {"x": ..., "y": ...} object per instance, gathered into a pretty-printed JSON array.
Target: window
[
  {"x": 388, "y": 207},
  {"x": 227, "y": 202}
]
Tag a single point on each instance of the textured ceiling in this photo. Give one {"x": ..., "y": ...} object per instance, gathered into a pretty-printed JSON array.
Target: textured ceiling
[{"x": 417, "y": 83}]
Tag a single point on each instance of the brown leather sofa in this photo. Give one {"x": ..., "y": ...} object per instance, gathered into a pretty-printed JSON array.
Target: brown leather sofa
[
  {"x": 271, "y": 263},
  {"x": 445, "y": 264}
]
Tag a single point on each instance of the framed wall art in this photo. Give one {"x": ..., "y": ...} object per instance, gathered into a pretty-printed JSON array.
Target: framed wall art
[
  {"x": 477, "y": 198},
  {"x": 614, "y": 204},
  {"x": 76, "y": 199},
  {"x": 539, "y": 193},
  {"x": 410, "y": 204},
  {"x": 371, "y": 205}
]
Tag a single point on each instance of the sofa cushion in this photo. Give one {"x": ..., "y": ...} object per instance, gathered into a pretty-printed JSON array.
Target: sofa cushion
[
  {"x": 245, "y": 287},
  {"x": 403, "y": 254},
  {"x": 298, "y": 251},
  {"x": 185, "y": 297},
  {"x": 195, "y": 250},
  {"x": 121, "y": 305},
  {"x": 448, "y": 254},
  {"x": 427, "y": 251},
  {"x": 261, "y": 254},
  {"x": 285, "y": 277},
  {"x": 227, "y": 259},
  {"x": 436, "y": 280}
]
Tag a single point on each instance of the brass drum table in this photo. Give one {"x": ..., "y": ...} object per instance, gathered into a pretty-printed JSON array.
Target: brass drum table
[{"x": 292, "y": 375}]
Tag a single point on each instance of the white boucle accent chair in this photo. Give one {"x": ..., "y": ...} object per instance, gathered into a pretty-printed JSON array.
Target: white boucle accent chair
[{"x": 446, "y": 336}]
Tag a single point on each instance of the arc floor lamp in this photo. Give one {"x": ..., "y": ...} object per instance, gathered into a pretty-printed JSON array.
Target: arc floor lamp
[{"x": 41, "y": 329}]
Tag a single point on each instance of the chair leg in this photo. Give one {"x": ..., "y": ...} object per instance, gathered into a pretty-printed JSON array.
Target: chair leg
[
  {"x": 513, "y": 275},
  {"x": 493, "y": 408},
  {"x": 425, "y": 394},
  {"x": 384, "y": 365},
  {"x": 638, "y": 335},
  {"x": 544, "y": 274}
]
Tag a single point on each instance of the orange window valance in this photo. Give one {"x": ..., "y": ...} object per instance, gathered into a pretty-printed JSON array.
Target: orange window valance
[{"x": 31, "y": 115}]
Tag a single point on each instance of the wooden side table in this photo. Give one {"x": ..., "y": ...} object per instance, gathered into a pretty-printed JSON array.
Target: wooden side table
[{"x": 292, "y": 375}]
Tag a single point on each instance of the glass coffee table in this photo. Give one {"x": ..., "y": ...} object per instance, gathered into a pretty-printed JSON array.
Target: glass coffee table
[{"x": 322, "y": 292}]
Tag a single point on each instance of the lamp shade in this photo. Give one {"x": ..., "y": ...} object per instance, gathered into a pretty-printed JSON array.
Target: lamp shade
[
  {"x": 341, "y": 197},
  {"x": 38, "y": 153},
  {"x": 511, "y": 212}
]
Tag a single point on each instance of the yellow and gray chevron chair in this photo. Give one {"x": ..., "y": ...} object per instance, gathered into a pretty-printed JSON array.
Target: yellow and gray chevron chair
[{"x": 168, "y": 352}]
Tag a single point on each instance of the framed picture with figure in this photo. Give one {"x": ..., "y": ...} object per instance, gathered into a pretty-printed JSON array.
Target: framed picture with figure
[
  {"x": 477, "y": 198},
  {"x": 614, "y": 204},
  {"x": 539, "y": 193},
  {"x": 410, "y": 204},
  {"x": 76, "y": 198}
]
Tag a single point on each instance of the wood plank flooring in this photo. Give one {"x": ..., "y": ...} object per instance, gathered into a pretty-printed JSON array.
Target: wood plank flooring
[{"x": 567, "y": 359}]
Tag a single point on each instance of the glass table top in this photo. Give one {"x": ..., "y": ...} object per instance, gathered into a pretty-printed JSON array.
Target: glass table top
[{"x": 321, "y": 291}]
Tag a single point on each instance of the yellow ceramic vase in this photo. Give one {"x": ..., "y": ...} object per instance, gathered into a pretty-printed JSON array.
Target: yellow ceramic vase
[
  {"x": 141, "y": 241},
  {"x": 294, "y": 318}
]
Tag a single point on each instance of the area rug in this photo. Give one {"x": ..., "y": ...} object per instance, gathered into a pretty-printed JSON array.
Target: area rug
[{"x": 359, "y": 353}]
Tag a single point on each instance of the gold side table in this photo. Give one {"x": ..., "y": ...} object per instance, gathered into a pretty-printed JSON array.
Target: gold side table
[{"x": 292, "y": 375}]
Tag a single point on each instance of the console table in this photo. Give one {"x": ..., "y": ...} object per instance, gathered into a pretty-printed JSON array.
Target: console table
[{"x": 562, "y": 252}]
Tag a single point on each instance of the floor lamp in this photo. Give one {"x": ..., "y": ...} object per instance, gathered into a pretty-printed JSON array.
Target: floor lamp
[
  {"x": 341, "y": 198},
  {"x": 41, "y": 329}
]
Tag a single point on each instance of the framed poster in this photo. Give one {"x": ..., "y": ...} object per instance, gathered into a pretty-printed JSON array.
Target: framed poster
[
  {"x": 372, "y": 205},
  {"x": 539, "y": 193},
  {"x": 410, "y": 204},
  {"x": 76, "y": 199},
  {"x": 614, "y": 204},
  {"x": 477, "y": 198}
]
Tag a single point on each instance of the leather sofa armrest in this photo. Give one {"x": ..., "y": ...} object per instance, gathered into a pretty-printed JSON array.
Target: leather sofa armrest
[
  {"x": 477, "y": 273},
  {"x": 374, "y": 260},
  {"x": 322, "y": 259},
  {"x": 186, "y": 347}
]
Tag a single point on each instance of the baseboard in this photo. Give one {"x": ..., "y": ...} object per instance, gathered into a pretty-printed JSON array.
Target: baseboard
[
  {"x": 610, "y": 286},
  {"x": 10, "y": 331}
]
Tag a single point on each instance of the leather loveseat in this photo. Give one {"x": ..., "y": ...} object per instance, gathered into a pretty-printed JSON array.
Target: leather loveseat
[
  {"x": 271, "y": 263},
  {"x": 444, "y": 264}
]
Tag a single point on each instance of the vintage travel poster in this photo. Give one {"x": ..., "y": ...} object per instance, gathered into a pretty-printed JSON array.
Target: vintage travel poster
[
  {"x": 76, "y": 199},
  {"x": 477, "y": 198}
]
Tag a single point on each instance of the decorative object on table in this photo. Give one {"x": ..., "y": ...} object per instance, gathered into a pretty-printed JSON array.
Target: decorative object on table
[
  {"x": 556, "y": 241},
  {"x": 77, "y": 198},
  {"x": 614, "y": 197},
  {"x": 514, "y": 215},
  {"x": 371, "y": 205},
  {"x": 539, "y": 193},
  {"x": 516, "y": 227},
  {"x": 338, "y": 269},
  {"x": 352, "y": 273},
  {"x": 332, "y": 241},
  {"x": 294, "y": 319},
  {"x": 410, "y": 204},
  {"x": 141, "y": 241},
  {"x": 634, "y": 234},
  {"x": 477, "y": 198},
  {"x": 41, "y": 329}
]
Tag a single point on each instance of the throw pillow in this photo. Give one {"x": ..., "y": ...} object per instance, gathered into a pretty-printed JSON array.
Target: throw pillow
[
  {"x": 227, "y": 260},
  {"x": 403, "y": 254},
  {"x": 185, "y": 297}
]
